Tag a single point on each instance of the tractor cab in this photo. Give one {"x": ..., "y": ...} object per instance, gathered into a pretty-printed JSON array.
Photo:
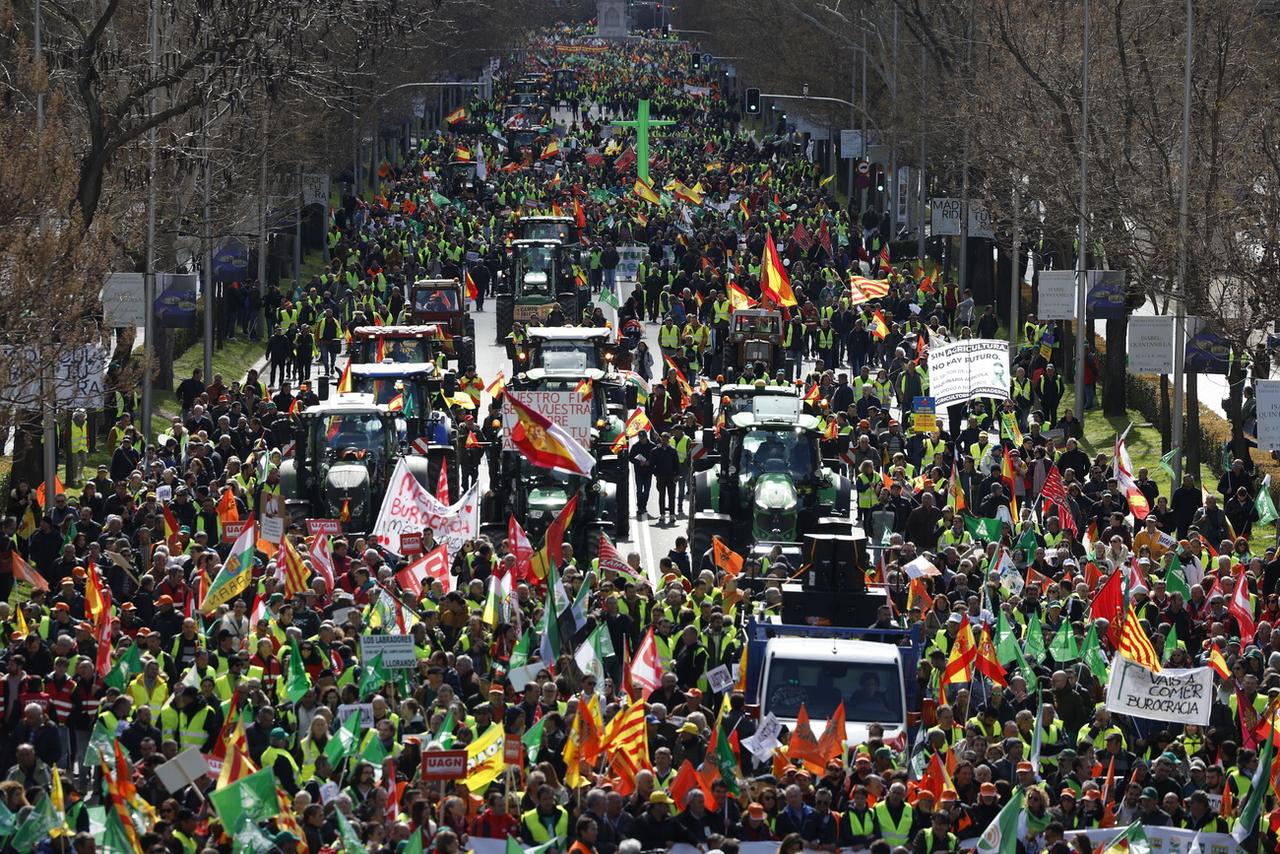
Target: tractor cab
[
  {"x": 397, "y": 344},
  {"x": 755, "y": 335},
  {"x": 566, "y": 349},
  {"x": 562, "y": 229},
  {"x": 539, "y": 277},
  {"x": 442, "y": 302},
  {"x": 407, "y": 390},
  {"x": 346, "y": 450},
  {"x": 460, "y": 178}
]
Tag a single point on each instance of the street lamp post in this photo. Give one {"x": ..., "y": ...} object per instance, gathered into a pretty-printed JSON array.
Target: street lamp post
[
  {"x": 1082, "y": 274},
  {"x": 1180, "y": 318}
]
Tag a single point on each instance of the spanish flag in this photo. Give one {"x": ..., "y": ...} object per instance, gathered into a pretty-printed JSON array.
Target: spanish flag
[
  {"x": 344, "y": 381},
  {"x": 738, "y": 298},
  {"x": 774, "y": 282},
  {"x": 461, "y": 152},
  {"x": 170, "y": 527},
  {"x": 645, "y": 192},
  {"x": 584, "y": 388},
  {"x": 472, "y": 291},
  {"x": 552, "y": 150},
  {"x": 879, "y": 328},
  {"x": 396, "y": 404},
  {"x": 456, "y": 116},
  {"x": 547, "y": 444}
]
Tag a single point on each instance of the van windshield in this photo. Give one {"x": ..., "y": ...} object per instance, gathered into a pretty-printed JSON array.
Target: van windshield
[{"x": 872, "y": 693}]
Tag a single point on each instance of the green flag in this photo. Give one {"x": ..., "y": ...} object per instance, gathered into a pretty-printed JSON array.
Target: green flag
[
  {"x": 520, "y": 654},
  {"x": 608, "y": 297},
  {"x": 1006, "y": 640},
  {"x": 1028, "y": 674},
  {"x": 1028, "y": 543},
  {"x": 344, "y": 741},
  {"x": 1136, "y": 838},
  {"x": 1166, "y": 462},
  {"x": 374, "y": 752},
  {"x": 1175, "y": 579},
  {"x": 1247, "y": 824},
  {"x": 8, "y": 821},
  {"x": 549, "y": 647},
  {"x": 414, "y": 843},
  {"x": 1265, "y": 507},
  {"x": 514, "y": 847},
  {"x": 990, "y": 530},
  {"x": 724, "y": 759},
  {"x": 532, "y": 740},
  {"x": 1170, "y": 643},
  {"x": 1093, "y": 656},
  {"x": 250, "y": 839},
  {"x": 1033, "y": 643},
  {"x": 350, "y": 842},
  {"x": 36, "y": 826},
  {"x": 445, "y": 734},
  {"x": 252, "y": 798},
  {"x": 113, "y": 839},
  {"x": 374, "y": 676},
  {"x": 1001, "y": 836},
  {"x": 1064, "y": 648},
  {"x": 125, "y": 669},
  {"x": 298, "y": 684},
  {"x": 100, "y": 747}
]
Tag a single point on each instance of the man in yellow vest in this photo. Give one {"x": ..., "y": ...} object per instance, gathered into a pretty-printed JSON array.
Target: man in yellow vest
[
  {"x": 546, "y": 821},
  {"x": 895, "y": 816},
  {"x": 78, "y": 440},
  {"x": 278, "y": 758}
]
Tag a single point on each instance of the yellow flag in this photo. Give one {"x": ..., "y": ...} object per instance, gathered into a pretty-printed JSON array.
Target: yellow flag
[
  {"x": 59, "y": 805},
  {"x": 22, "y": 623},
  {"x": 484, "y": 759}
]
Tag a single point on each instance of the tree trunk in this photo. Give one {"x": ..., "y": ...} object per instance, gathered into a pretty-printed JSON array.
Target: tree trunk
[
  {"x": 28, "y": 451},
  {"x": 162, "y": 375},
  {"x": 1113, "y": 391}
]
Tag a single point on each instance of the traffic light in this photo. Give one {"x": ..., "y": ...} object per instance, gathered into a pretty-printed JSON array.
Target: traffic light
[
  {"x": 753, "y": 102},
  {"x": 695, "y": 61}
]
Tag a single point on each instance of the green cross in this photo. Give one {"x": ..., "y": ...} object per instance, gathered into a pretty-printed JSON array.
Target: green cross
[{"x": 642, "y": 123}]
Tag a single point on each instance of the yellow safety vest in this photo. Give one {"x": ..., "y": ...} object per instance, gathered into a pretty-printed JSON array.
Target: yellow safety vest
[
  {"x": 669, "y": 337},
  {"x": 895, "y": 834},
  {"x": 538, "y": 831},
  {"x": 79, "y": 438},
  {"x": 271, "y": 754}
]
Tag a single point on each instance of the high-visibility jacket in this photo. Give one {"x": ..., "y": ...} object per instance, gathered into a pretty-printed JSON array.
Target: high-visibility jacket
[
  {"x": 669, "y": 337},
  {"x": 682, "y": 449},
  {"x": 538, "y": 830},
  {"x": 721, "y": 307},
  {"x": 155, "y": 698},
  {"x": 826, "y": 338},
  {"x": 1022, "y": 392},
  {"x": 188, "y": 844},
  {"x": 859, "y": 826},
  {"x": 931, "y": 845},
  {"x": 895, "y": 833},
  {"x": 79, "y": 438},
  {"x": 868, "y": 491},
  {"x": 473, "y": 386},
  {"x": 271, "y": 754},
  {"x": 288, "y": 317},
  {"x": 699, "y": 336},
  {"x": 187, "y": 730}
]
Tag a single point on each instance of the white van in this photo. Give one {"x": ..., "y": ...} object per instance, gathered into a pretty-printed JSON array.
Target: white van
[{"x": 820, "y": 672}]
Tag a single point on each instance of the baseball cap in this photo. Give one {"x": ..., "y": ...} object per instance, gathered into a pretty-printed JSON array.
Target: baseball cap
[
  {"x": 1025, "y": 766},
  {"x": 988, "y": 789},
  {"x": 1150, "y": 792},
  {"x": 660, "y": 798},
  {"x": 688, "y": 728},
  {"x": 755, "y": 811}
]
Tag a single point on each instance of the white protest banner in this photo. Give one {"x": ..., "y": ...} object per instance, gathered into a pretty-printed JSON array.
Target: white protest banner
[
  {"x": 1056, "y": 295},
  {"x": 408, "y": 508},
  {"x": 719, "y": 679},
  {"x": 1150, "y": 345},
  {"x": 1268, "y": 402},
  {"x": 962, "y": 370},
  {"x": 397, "y": 650},
  {"x": 1166, "y": 840},
  {"x": 765, "y": 739},
  {"x": 629, "y": 259},
  {"x": 566, "y": 408},
  {"x": 1184, "y": 696},
  {"x": 364, "y": 710}
]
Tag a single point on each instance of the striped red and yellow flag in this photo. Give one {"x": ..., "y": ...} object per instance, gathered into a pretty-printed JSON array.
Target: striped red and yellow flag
[
  {"x": 296, "y": 573},
  {"x": 1218, "y": 662},
  {"x": 626, "y": 742},
  {"x": 236, "y": 765},
  {"x": 1135, "y": 645}
]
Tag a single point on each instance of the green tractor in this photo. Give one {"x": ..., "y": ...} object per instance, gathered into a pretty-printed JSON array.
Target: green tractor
[
  {"x": 769, "y": 485},
  {"x": 540, "y": 277},
  {"x": 345, "y": 450}
]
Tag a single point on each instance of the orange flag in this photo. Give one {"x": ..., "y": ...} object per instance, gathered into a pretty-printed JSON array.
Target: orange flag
[
  {"x": 934, "y": 779},
  {"x": 725, "y": 558},
  {"x": 831, "y": 742},
  {"x": 804, "y": 746},
  {"x": 228, "y": 511},
  {"x": 1108, "y": 812},
  {"x": 687, "y": 779}
]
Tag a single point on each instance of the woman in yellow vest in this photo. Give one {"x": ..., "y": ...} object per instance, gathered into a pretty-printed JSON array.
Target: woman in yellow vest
[{"x": 312, "y": 745}]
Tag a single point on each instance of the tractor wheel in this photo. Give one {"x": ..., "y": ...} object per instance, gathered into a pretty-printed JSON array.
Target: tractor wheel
[
  {"x": 572, "y": 310},
  {"x": 701, "y": 530},
  {"x": 467, "y": 354},
  {"x": 505, "y": 312},
  {"x": 622, "y": 513}
]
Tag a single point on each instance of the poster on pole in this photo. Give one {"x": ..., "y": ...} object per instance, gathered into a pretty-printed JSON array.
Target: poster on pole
[
  {"x": 1182, "y": 696},
  {"x": 397, "y": 650},
  {"x": 1208, "y": 352},
  {"x": 1106, "y": 295},
  {"x": 944, "y": 217},
  {"x": 1268, "y": 401},
  {"x": 1150, "y": 345},
  {"x": 177, "y": 295},
  {"x": 124, "y": 302},
  {"x": 408, "y": 507},
  {"x": 980, "y": 222},
  {"x": 962, "y": 370},
  {"x": 1057, "y": 295}
]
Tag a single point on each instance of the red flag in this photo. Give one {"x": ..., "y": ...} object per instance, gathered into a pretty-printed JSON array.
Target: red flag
[
  {"x": 1108, "y": 790},
  {"x": 1108, "y": 604},
  {"x": 104, "y": 645},
  {"x": 442, "y": 485},
  {"x": 988, "y": 663},
  {"x": 774, "y": 282},
  {"x": 322, "y": 559},
  {"x": 521, "y": 548},
  {"x": 646, "y": 669},
  {"x": 935, "y": 779},
  {"x": 1054, "y": 491},
  {"x": 1242, "y": 609}
]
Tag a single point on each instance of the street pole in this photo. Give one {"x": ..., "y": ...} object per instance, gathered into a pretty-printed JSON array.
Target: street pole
[
  {"x": 149, "y": 279},
  {"x": 922, "y": 191},
  {"x": 297, "y": 236},
  {"x": 50, "y": 418},
  {"x": 1015, "y": 288},
  {"x": 863, "y": 206},
  {"x": 355, "y": 152},
  {"x": 1180, "y": 317},
  {"x": 963, "y": 277},
  {"x": 262, "y": 214},
  {"x": 1082, "y": 273},
  {"x": 210, "y": 307},
  {"x": 893, "y": 150}
]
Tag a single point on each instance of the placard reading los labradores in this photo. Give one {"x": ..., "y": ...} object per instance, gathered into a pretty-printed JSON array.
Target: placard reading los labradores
[
  {"x": 1268, "y": 400},
  {"x": 1150, "y": 345},
  {"x": 397, "y": 650},
  {"x": 1057, "y": 295},
  {"x": 1184, "y": 696}
]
